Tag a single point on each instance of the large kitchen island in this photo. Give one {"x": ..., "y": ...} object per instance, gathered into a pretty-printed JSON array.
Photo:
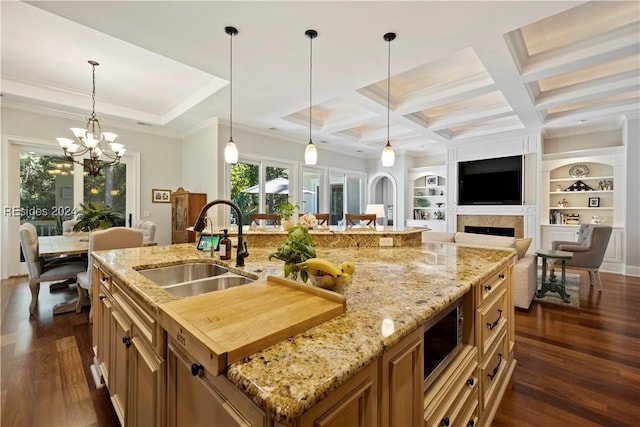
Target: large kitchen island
[{"x": 364, "y": 367}]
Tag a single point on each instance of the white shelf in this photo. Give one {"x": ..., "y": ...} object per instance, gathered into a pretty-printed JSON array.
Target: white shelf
[
  {"x": 575, "y": 208},
  {"x": 581, "y": 179},
  {"x": 581, "y": 192}
]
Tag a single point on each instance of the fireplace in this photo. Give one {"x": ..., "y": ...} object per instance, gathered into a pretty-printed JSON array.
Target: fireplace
[
  {"x": 513, "y": 222},
  {"x": 494, "y": 231}
]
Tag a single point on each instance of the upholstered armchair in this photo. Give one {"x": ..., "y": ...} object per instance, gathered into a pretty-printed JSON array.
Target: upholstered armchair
[
  {"x": 110, "y": 238},
  {"x": 41, "y": 271},
  {"x": 588, "y": 251}
]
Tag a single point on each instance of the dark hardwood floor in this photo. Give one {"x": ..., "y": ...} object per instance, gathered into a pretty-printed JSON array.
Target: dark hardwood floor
[{"x": 575, "y": 366}]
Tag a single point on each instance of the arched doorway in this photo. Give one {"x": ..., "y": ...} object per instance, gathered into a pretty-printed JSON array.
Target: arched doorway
[{"x": 383, "y": 189}]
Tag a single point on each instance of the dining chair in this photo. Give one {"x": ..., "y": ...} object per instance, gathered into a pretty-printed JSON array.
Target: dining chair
[
  {"x": 41, "y": 271},
  {"x": 356, "y": 219},
  {"x": 67, "y": 226},
  {"x": 148, "y": 230},
  {"x": 588, "y": 250},
  {"x": 270, "y": 218},
  {"x": 111, "y": 238}
]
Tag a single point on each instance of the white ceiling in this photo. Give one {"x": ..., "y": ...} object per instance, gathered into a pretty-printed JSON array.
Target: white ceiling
[{"x": 459, "y": 70}]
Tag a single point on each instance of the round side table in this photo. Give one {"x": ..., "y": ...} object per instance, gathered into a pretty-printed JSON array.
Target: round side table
[{"x": 552, "y": 285}]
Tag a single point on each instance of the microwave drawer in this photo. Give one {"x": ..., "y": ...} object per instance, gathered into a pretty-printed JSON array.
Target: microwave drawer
[
  {"x": 491, "y": 286},
  {"x": 492, "y": 320},
  {"x": 492, "y": 369},
  {"x": 451, "y": 399}
]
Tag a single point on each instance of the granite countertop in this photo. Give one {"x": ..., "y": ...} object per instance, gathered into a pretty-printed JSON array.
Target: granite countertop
[{"x": 402, "y": 287}]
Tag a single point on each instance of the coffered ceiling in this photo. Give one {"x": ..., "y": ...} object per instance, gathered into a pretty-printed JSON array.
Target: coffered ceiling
[{"x": 460, "y": 71}]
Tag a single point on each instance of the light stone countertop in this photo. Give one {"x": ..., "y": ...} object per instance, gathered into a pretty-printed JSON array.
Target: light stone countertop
[{"x": 401, "y": 286}]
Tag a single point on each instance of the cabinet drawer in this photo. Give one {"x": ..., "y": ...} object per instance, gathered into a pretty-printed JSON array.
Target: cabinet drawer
[
  {"x": 492, "y": 370},
  {"x": 491, "y": 286},
  {"x": 450, "y": 398},
  {"x": 492, "y": 319},
  {"x": 469, "y": 416}
]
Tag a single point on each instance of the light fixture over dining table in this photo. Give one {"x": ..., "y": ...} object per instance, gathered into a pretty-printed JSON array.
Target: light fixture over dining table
[{"x": 91, "y": 140}]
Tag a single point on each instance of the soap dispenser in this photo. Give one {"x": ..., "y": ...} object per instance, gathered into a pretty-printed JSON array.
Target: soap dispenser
[{"x": 225, "y": 245}]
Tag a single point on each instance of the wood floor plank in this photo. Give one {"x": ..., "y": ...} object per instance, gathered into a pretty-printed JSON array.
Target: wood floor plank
[{"x": 576, "y": 366}]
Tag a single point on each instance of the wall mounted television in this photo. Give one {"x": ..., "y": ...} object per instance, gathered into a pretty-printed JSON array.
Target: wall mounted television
[{"x": 496, "y": 181}]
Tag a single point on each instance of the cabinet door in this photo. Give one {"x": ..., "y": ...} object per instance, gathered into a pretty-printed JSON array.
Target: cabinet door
[
  {"x": 102, "y": 328},
  {"x": 145, "y": 385},
  {"x": 193, "y": 401},
  {"x": 402, "y": 381},
  {"x": 119, "y": 372},
  {"x": 352, "y": 404},
  {"x": 179, "y": 217}
]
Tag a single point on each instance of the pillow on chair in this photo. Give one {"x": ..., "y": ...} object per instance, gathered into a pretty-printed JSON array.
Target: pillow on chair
[{"x": 522, "y": 245}]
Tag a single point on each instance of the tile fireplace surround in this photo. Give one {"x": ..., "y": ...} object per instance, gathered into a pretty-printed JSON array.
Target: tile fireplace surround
[{"x": 508, "y": 221}]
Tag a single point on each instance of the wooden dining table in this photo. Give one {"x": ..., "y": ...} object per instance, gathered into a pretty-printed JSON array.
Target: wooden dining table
[{"x": 67, "y": 245}]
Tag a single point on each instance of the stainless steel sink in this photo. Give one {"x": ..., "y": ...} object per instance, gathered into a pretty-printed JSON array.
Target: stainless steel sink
[
  {"x": 186, "y": 280},
  {"x": 211, "y": 284},
  {"x": 180, "y": 273}
]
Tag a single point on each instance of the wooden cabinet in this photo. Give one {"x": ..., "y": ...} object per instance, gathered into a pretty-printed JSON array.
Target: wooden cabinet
[
  {"x": 452, "y": 400},
  {"x": 495, "y": 340},
  {"x": 352, "y": 404},
  {"x": 401, "y": 383},
  {"x": 130, "y": 349},
  {"x": 185, "y": 207},
  {"x": 428, "y": 198},
  {"x": 195, "y": 397}
]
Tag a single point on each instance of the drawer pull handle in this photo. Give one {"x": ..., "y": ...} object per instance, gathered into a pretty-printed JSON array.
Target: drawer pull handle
[
  {"x": 126, "y": 341},
  {"x": 487, "y": 287},
  {"x": 495, "y": 322},
  {"x": 445, "y": 421},
  {"x": 471, "y": 382},
  {"x": 471, "y": 422},
  {"x": 197, "y": 370},
  {"x": 105, "y": 278},
  {"x": 495, "y": 370},
  {"x": 501, "y": 276}
]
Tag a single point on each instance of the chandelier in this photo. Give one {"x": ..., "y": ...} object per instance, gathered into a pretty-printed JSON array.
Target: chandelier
[
  {"x": 91, "y": 140},
  {"x": 388, "y": 156}
]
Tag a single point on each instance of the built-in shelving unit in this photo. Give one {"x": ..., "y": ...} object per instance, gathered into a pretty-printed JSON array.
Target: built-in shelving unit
[
  {"x": 583, "y": 198},
  {"x": 428, "y": 198}
]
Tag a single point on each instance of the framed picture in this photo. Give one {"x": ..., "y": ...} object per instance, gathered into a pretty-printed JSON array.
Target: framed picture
[
  {"x": 66, "y": 193},
  {"x": 432, "y": 180},
  {"x": 160, "y": 196},
  {"x": 594, "y": 202}
]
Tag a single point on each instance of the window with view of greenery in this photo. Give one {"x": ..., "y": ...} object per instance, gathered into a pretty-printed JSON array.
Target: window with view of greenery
[
  {"x": 110, "y": 188},
  {"x": 247, "y": 192},
  {"x": 47, "y": 191}
]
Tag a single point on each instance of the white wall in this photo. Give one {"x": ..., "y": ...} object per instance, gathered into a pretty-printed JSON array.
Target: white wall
[
  {"x": 631, "y": 140},
  {"x": 160, "y": 161}
]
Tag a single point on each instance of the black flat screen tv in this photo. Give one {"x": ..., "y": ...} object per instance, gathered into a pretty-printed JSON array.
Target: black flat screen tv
[{"x": 496, "y": 181}]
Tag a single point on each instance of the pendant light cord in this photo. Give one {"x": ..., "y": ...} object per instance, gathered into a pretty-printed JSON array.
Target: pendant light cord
[
  {"x": 388, "y": 86},
  {"x": 310, "y": 80},
  {"x": 231, "y": 86}
]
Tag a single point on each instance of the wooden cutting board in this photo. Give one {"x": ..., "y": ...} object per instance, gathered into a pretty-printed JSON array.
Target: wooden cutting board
[{"x": 222, "y": 327}]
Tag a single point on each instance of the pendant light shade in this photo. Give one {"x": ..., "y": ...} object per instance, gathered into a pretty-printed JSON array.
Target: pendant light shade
[
  {"x": 310, "y": 152},
  {"x": 230, "y": 150},
  {"x": 388, "y": 156}
]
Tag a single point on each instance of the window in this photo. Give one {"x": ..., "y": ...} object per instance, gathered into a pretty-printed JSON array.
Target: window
[
  {"x": 258, "y": 187},
  {"x": 312, "y": 191},
  {"x": 110, "y": 188},
  {"x": 46, "y": 192},
  {"x": 346, "y": 195}
]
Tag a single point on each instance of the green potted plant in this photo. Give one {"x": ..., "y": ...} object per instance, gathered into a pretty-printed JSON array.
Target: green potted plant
[
  {"x": 286, "y": 211},
  {"x": 95, "y": 215}
]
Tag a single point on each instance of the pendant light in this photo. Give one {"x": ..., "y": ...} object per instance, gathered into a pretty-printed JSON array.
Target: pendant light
[
  {"x": 388, "y": 156},
  {"x": 310, "y": 153},
  {"x": 230, "y": 150}
]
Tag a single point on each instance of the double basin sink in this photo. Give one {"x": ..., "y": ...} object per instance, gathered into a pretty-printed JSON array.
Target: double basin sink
[{"x": 185, "y": 280}]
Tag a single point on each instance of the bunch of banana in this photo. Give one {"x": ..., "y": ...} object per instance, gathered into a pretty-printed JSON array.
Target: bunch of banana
[{"x": 326, "y": 273}]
